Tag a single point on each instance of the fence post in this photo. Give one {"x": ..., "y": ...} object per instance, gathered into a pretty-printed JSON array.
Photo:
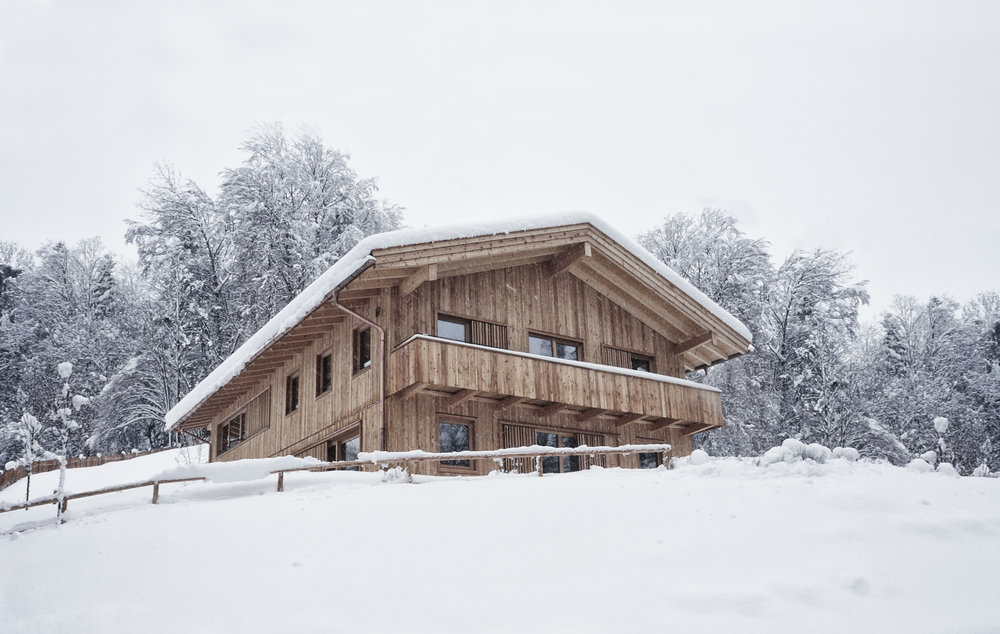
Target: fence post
[
  {"x": 281, "y": 481},
  {"x": 538, "y": 465},
  {"x": 156, "y": 492}
]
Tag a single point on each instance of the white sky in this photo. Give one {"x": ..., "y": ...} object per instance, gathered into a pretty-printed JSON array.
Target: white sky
[{"x": 871, "y": 126}]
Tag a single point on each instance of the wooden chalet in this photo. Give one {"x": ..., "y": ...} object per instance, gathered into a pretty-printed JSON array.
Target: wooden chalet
[{"x": 557, "y": 332}]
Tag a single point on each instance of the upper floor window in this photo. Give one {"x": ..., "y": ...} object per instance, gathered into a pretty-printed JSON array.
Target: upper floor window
[
  {"x": 291, "y": 393},
  {"x": 482, "y": 333},
  {"x": 233, "y": 433},
  {"x": 453, "y": 328},
  {"x": 641, "y": 363},
  {"x": 627, "y": 359},
  {"x": 362, "y": 348},
  {"x": 553, "y": 347},
  {"x": 324, "y": 373}
]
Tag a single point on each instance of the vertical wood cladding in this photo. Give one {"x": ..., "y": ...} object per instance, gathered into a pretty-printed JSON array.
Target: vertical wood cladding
[
  {"x": 503, "y": 306},
  {"x": 529, "y": 299}
]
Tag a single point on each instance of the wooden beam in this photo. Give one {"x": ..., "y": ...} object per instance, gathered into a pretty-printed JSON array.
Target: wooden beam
[
  {"x": 666, "y": 422},
  {"x": 694, "y": 429},
  {"x": 694, "y": 342},
  {"x": 552, "y": 409},
  {"x": 629, "y": 418},
  {"x": 410, "y": 390},
  {"x": 589, "y": 414},
  {"x": 569, "y": 257},
  {"x": 461, "y": 396},
  {"x": 510, "y": 401},
  {"x": 426, "y": 273}
]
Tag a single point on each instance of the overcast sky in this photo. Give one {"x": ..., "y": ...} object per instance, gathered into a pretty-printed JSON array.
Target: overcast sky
[{"x": 870, "y": 126}]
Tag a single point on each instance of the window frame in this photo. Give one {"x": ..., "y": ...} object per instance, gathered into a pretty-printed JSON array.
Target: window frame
[
  {"x": 342, "y": 437},
  {"x": 325, "y": 354},
  {"x": 225, "y": 433},
  {"x": 556, "y": 340},
  {"x": 356, "y": 366},
  {"x": 632, "y": 355},
  {"x": 452, "y": 419},
  {"x": 560, "y": 434},
  {"x": 291, "y": 377},
  {"x": 464, "y": 321}
]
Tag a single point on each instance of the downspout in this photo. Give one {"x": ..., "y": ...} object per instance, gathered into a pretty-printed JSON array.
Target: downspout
[{"x": 381, "y": 340}]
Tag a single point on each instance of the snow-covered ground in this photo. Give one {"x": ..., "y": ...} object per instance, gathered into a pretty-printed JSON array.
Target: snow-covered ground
[{"x": 725, "y": 546}]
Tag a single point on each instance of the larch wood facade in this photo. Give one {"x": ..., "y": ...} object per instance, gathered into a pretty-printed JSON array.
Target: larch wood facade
[{"x": 410, "y": 379}]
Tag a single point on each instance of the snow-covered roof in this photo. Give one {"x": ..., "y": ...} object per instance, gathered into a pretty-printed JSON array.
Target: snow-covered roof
[{"x": 358, "y": 257}]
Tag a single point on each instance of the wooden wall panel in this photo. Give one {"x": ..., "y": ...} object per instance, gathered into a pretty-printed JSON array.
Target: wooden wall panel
[{"x": 529, "y": 299}]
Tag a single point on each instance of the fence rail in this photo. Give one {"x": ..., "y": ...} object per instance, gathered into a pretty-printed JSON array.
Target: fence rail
[
  {"x": 378, "y": 458},
  {"x": 11, "y": 476}
]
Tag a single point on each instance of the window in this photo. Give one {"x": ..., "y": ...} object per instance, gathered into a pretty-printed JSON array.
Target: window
[
  {"x": 650, "y": 460},
  {"x": 453, "y": 328},
  {"x": 324, "y": 373},
  {"x": 551, "y": 347},
  {"x": 362, "y": 349},
  {"x": 482, "y": 333},
  {"x": 454, "y": 436},
  {"x": 627, "y": 359},
  {"x": 233, "y": 433},
  {"x": 642, "y": 364},
  {"x": 557, "y": 464},
  {"x": 344, "y": 448},
  {"x": 291, "y": 393}
]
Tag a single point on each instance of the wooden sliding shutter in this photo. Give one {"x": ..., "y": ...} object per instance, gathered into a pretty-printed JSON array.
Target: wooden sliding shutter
[
  {"x": 593, "y": 440},
  {"x": 518, "y": 436},
  {"x": 259, "y": 413},
  {"x": 617, "y": 358},
  {"x": 487, "y": 334}
]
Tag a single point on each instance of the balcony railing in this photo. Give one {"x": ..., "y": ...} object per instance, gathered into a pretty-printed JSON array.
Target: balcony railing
[{"x": 440, "y": 363}]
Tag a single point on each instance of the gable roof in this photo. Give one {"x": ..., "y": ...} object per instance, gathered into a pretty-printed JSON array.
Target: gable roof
[{"x": 358, "y": 259}]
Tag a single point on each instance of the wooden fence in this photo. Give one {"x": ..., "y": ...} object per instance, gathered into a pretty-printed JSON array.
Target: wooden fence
[
  {"x": 11, "y": 476},
  {"x": 380, "y": 459}
]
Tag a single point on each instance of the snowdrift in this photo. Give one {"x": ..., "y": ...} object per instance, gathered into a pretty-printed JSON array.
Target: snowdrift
[{"x": 712, "y": 545}]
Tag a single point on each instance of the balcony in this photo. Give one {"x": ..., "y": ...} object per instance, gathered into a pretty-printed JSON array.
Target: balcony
[{"x": 463, "y": 370}]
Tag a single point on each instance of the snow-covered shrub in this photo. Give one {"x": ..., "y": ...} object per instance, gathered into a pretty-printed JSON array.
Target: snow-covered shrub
[
  {"x": 930, "y": 457},
  {"x": 793, "y": 450},
  {"x": 947, "y": 469},
  {"x": 849, "y": 454},
  {"x": 698, "y": 457},
  {"x": 919, "y": 465},
  {"x": 982, "y": 471}
]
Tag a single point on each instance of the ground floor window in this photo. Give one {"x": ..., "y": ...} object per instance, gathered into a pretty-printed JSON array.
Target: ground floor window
[
  {"x": 344, "y": 447},
  {"x": 454, "y": 435},
  {"x": 650, "y": 460},
  {"x": 558, "y": 464}
]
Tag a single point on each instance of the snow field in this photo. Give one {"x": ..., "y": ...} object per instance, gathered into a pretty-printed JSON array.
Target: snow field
[{"x": 724, "y": 545}]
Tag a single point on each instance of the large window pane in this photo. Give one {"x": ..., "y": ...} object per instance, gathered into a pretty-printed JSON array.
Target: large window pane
[
  {"x": 567, "y": 351},
  {"x": 640, "y": 364},
  {"x": 570, "y": 463},
  {"x": 453, "y": 437},
  {"x": 550, "y": 464},
  {"x": 539, "y": 345},
  {"x": 349, "y": 448},
  {"x": 454, "y": 330},
  {"x": 649, "y": 460}
]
